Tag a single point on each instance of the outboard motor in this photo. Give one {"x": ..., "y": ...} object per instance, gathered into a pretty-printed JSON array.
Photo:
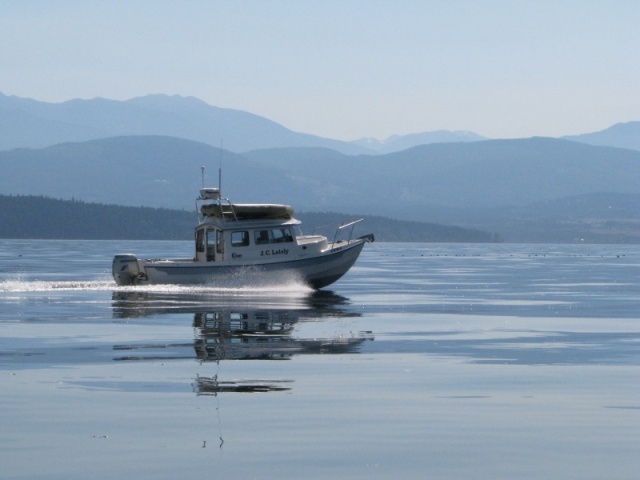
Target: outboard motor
[{"x": 125, "y": 269}]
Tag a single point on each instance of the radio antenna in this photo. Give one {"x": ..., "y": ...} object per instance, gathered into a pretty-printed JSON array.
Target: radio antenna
[
  {"x": 220, "y": 169},
  {"x": 202, "y": 170}
]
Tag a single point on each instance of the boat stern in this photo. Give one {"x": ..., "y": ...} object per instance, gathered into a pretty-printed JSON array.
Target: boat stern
[{"x": 125, "y": 269}]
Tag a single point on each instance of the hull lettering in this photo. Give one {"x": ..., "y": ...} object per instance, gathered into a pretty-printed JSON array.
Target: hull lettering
[{"x": 272, "y": 252}]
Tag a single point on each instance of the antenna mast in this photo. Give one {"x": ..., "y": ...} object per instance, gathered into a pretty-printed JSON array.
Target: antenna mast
[{"x": 220, "y": 169}]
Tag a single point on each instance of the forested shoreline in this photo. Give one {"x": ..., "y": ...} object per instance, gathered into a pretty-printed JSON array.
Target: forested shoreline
[{"x": 30, "y": 216}]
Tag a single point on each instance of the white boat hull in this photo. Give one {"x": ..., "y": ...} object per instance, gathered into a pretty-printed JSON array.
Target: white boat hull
[{"x": 317, "y": 271}]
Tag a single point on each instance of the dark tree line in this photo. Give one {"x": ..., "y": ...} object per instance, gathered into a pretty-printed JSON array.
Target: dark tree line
[{"x": 42, "y": 217}]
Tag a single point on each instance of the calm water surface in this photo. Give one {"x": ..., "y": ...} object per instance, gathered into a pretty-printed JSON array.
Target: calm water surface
[{"x": 425, "y": 361}]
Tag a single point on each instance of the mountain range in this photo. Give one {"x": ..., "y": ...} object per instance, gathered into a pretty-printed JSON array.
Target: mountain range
[
  {"x": 537, "y": 189},
  {"x": 33, "y": 124},
  {"x": 28, "y": 123},
  {"x": 397, "y": 143},
  {"x": 148, "y": 151},
  {"x": 622, "y": 135}
]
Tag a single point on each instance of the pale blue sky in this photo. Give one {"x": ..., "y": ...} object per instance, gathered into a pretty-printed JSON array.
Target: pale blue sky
[{"x": 342, "y": 69}]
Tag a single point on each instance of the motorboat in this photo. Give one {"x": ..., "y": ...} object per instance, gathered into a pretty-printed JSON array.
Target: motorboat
[{"x": 236, "y": 243}]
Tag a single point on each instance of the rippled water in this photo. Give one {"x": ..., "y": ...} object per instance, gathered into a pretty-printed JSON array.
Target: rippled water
[{"x": 425, "y": 361}]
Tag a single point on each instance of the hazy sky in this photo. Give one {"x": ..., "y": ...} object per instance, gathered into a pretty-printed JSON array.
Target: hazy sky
[{"x": 342, "y": 69}]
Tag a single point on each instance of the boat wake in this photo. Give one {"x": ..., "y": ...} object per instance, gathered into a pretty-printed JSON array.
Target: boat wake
[
  {"x": 34, "y": 286},
  {"x": 235, "y": 290},
  {"x": 25, "y": 286}
]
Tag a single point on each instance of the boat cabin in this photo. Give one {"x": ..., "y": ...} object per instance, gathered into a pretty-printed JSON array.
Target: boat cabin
[
  {"x": 236, "y": 233},
  {"x": 216, "y": 244}
]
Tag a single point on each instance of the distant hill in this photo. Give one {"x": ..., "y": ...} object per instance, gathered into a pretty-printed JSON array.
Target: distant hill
[
  {"x": 477, "y": 185},
  {"x": 33, "y": 124},
  {"x": 159, "y": 172},
  {"x": 42, "y": 217},
  {"x": 165, "y": 172},
  {"x": 598, "y": 218},
  {"x": 490, "y": 173},
  {"x": 621, "y": 135},
  {"x": 397, "y": 143},
  {"x": 590, "y": 218},
  {"x": 594, "y": 218}
]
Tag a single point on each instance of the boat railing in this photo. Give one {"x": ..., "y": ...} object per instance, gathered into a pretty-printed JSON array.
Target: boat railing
[
  {"x": 233, "y": 210},
  {"x": 204, "y": 197},
  {"x": 351, "y": 224}
]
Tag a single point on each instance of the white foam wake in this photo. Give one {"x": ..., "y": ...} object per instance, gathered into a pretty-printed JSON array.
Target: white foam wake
[
  {"x": 17, "y": 286},
  {"x": 26, "y": 286}
]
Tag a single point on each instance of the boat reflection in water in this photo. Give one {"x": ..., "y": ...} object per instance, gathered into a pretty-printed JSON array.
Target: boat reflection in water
[{"x": 239, "y": 328}]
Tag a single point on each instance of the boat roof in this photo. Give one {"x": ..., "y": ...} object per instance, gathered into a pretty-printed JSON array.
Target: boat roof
[{"x": 247, "y": 211}]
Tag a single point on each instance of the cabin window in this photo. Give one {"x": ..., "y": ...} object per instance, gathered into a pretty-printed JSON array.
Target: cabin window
[
  {"x": 261, "y": 237},
  {"x": 220, "y": 242},
  {"x": 211, "y": 245},
  {"x": 239, "y": 239},
  {"x": 274, "y": 235},
  {"x": 281, "y": 235},
  {"x": 200, "y": 241}
]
